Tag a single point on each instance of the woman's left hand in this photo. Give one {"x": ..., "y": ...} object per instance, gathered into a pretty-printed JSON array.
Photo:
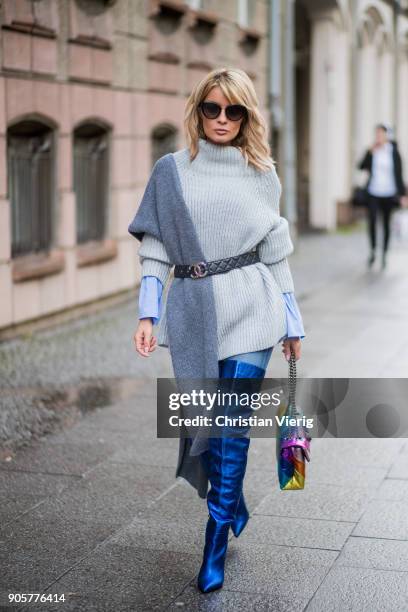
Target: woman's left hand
[{"x": 291, "y": 343}]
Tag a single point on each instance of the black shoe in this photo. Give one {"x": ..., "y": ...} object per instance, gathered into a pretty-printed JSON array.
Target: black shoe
[{"x": 371, "y": 259}]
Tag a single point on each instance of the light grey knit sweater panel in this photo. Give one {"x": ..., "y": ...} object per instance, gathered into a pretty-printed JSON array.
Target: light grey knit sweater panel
[{"x": 234, "y": 208}]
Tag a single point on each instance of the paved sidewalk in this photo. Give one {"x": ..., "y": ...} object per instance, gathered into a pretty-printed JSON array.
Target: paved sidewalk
[{"x": 93, "y": 511}]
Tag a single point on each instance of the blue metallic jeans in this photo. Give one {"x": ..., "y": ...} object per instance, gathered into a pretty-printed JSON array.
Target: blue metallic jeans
[
  {"x": 258, "y": 358},
  {"x": 250, "y": 365}
]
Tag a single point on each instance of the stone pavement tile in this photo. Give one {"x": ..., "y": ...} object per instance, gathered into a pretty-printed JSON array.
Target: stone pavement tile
[
  {"x": 226, "y": 600},
  {"x": 103, "y": 341},
  {"x": 325, "y": 324},
  {"x": 261, "y": 454},
  {"x": 44, "y": 547},
  {"x": 290, "y": 574},
  {"x": 348, "y": 329},
  {"x": 381, "y": 296},
  {"x": 135, "y": 442},
  {"x": 21, "y": 491},
  {"x": 375, "y": 553},
  {"x": 258, "y": 484},
  {"x": 17, "y": 484},
  {"x": 82, "y": 434},
  {"x": 331, "y": 459},
  {"x": 395, "y": 367},
  {"x": 65, "y": 457},
  {"x": 110, "y": 494},
  {"x": 360, "y": 452},
  {"x": 347, "y": 360},
  {"x": 399, "y": 468},
  {"x": 333, "y": 471},
  {"x": 404, "y": 448},
  {"x": 366, "y": 590},
  {"x": 85, "y": 444},
  {"x": 316, "y": 501},
  {"x": 125, "y": 578},
  {"x": 126, "y": 414},
  {"x": 10, "y": 510},
  {"x": 175, "y": 523},
  {"x": 392, "y": 489},
  {"x": 384, "y": 519},
  {"x": 148, "y": 450},
  {"x": 263, "y": 531},
  {"x": 57, "y": 533}
]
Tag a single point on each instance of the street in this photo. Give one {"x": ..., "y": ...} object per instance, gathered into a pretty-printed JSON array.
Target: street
[{"x": 92, "y": 509}]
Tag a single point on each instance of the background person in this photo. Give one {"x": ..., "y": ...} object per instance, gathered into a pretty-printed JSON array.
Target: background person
[{"x": 385, "y": 186}]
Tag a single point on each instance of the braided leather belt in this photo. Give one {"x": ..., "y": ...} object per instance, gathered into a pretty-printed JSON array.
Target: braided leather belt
[{"x": 205, "y": 268}]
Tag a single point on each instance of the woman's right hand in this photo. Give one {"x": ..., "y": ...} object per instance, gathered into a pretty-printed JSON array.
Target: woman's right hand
[{"x": 144, "y": 340}]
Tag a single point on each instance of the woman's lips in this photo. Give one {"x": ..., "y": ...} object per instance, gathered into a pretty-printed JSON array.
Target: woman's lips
[{"x": 221, "y": 131}]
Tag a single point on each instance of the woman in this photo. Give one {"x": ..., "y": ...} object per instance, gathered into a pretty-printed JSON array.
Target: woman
[
  {"x": 385, "y": 186},
  {"x": 217, "y": 201}
]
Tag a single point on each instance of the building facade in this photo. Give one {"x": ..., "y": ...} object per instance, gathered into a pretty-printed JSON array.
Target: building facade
[
  {"x": 351, "y": 73},
  {"x": 91, "y": 93}
]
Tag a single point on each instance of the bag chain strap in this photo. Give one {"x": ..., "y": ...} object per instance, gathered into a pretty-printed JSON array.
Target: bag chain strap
[
  {"x": 292, "y": 381},
  {"x": 292, "y": 408}
]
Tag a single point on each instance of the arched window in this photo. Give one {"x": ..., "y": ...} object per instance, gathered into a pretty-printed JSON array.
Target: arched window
[
  {"x": 30, "y": 160},
  {"x": 91, "y": 181},
  {"x": 164, "y": 140},
  {"x": 95, "y": 7}
]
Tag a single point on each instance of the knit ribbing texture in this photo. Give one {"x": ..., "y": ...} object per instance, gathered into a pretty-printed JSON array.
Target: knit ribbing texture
[{"x": 234, "y": 207}]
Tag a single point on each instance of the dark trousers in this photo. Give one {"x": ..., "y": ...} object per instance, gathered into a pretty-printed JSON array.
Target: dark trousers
[{"x": 385, "y": 206}]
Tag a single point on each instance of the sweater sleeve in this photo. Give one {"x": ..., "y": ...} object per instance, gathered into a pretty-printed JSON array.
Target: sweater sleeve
[
  {"x": 154, "y": 259},
  {"x": 277, "y": 244},
  {"x": 150, "y": 294}
]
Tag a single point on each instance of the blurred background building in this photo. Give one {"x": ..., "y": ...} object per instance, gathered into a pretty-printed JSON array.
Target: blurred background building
[{"x": 92, "y": 92}]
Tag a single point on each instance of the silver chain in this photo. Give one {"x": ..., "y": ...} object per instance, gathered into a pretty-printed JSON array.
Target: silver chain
[
  {"x": 292, "y": 381},
  {"x": 292, "y": 409}
]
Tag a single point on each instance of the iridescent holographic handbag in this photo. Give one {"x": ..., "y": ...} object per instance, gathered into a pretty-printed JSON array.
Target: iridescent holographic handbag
[{"x": 292, "y": 441}]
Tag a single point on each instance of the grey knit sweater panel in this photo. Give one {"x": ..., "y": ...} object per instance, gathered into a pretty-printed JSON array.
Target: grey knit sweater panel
[{"x": 234, "y": 208}]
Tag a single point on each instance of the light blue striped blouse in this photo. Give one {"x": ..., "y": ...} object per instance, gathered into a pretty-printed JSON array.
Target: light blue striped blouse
[{"x": 151, "y": 290}]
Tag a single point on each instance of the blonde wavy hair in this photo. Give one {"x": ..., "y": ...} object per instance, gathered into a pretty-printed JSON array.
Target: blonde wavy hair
[{"x": 237, "y": 87}]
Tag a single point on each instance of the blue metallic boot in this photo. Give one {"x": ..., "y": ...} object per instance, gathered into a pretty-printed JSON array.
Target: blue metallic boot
[
  {"x": 242, "y": 514},
  {"x": 225, "y": 463},
  {"x": 241, "y": 517},
  {"x": 233, "y": 368},
  {"x": 227, "y": 469}
]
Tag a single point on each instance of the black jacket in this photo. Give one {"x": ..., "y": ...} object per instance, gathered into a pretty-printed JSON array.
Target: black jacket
[{"x": 367, "y": 163}]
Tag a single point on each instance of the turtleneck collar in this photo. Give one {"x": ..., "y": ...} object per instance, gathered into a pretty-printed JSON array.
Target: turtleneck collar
[{"x": 219, "y": 159}]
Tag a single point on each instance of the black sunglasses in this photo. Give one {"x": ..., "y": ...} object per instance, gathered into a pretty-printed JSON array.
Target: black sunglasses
[{"x": 233, "y": 112}]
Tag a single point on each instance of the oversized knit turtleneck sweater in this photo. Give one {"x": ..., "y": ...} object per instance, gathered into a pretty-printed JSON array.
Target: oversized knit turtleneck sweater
[{"x": 234, "y": 208}]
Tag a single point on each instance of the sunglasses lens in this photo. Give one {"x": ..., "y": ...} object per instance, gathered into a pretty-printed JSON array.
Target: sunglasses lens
[
  {"x": 210, "y": 110},
  {"x": 235, "y": 112}
]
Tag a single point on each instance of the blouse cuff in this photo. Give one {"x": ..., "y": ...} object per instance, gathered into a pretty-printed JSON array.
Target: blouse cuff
[
  {"x": 293, "y": 317},
  {"x": 151, "y": 290},
  {"x": 150, "y": 302}
]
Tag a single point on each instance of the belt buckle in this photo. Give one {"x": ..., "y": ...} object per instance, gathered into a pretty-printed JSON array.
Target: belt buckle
[{"x": 199, "y": 270}]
